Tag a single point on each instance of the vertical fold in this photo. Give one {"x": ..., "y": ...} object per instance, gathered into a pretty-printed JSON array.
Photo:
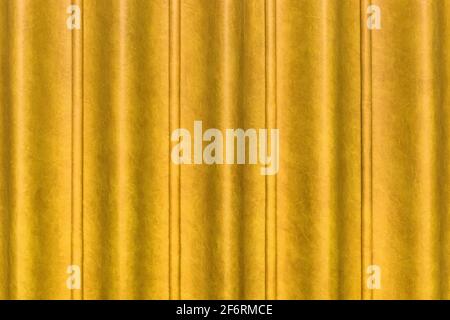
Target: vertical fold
[
  {"x": 271, "y": 123},
  {"x": 122, "y": 145},
  {"x": 410, "y": 119},
  {"x": 7, "y": 276},
  {"x": 36, "y": 118},
  {"x": 102, "y": 76},
  {"x": 428, "y": 209},
  {"x": 443, "y": 147},
  {"x": 126, "y": 174},
  {"x": 174, "y": 170},
  {"x": 223, "y": 211},
  {"x": 17, "y": 105},
  {"x": 228, "y": 25},
  {"x": 366, "y": 151},
  {"x": 77, "y": 151},
  {"x": 319, "y": 183}
]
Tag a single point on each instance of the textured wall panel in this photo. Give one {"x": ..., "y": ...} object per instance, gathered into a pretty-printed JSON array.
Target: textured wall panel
[{"x": 87, "y": 180}]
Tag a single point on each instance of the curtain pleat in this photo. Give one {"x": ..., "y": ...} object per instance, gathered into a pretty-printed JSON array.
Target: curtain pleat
[
  {"x": 35, "y": 150},
  {"x": 319, "y": 186},
  {"x": 222, "y": 207},
  {"x": 86, "y": 177},
  {"x": 126, "y": 115},
  {"x": 410, "y": 149}
]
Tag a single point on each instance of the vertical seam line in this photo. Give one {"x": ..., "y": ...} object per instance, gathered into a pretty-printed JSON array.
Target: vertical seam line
[
  {"x": 265, "y": 177},
  {"x": 366, "y": 150},
  {"x": 362, "y": 3},
  {"x": 170, "y": 165},
  {"x": 275, "y": 121},
  {"x": 174, "y": 186},
  {"x": 179, "y": 167},
  {"x": 270, "y": 212},
  {"x": 82, "y": 149},
  {"x": 72, "y": 155}
]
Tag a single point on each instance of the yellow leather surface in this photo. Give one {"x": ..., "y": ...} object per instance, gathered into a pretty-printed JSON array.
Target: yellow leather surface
[{"x": 86, "y": 177}]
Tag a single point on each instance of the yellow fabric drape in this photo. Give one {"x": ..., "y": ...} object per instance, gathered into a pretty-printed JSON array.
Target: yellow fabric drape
[{"x": 86, "y": 177}]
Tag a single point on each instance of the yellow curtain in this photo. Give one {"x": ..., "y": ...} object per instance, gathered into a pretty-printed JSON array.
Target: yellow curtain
[{"x": 360, "y": 206}]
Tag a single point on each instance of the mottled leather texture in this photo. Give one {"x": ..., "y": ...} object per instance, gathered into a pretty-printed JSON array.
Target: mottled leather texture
[{"x": 360, "y": 206}]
